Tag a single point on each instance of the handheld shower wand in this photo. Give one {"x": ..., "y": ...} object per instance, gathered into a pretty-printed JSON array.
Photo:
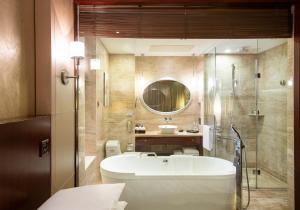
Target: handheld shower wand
[
  {"x": 238, "y": 160},
  {"x": 234, "y": 80}
]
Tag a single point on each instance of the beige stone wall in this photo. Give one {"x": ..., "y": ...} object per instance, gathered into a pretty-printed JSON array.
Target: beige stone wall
[
  {"x": 92, "y": 110},
  {"x": 235, "y": 109},
  {"x": 17, "y": 59},
  {"x": 121, "y": 108},
  {"x": 102, "y": 111},
  {"x": 290, "y": 127},
  {"x": 275, "y": 129},
  {"x": 272, "y": 128},
  {"x": 90, "y": 98},
  {"x": 188, "y": 70}
]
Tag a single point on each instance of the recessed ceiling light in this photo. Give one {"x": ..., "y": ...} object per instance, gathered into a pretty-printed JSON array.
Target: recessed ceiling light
[
  {"x": 228, "y": 51},
  {"x": 117, "y": 32}
]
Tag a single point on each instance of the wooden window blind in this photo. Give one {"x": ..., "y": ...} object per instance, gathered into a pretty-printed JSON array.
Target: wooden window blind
[{"x": 185, "y": 22}]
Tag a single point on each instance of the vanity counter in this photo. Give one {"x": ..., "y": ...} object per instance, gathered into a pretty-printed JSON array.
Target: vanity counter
[{"x": 158, "y": 134}]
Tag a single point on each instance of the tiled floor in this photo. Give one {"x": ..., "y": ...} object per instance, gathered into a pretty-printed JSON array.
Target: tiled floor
[
  {"x": 267, "y": 199},
  {"x": 264, "y": 180}
]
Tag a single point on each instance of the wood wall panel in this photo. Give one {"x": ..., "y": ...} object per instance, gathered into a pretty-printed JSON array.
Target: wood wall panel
[
  {"x": 54, "y": 32},
  {"x": 25, "y": 178},
  {"x": 17, "y": 57},
  {"x": 185, "y": 22}
]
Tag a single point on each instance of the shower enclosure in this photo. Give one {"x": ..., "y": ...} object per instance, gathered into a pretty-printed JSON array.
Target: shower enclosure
[{"x": 247, "y": 85}]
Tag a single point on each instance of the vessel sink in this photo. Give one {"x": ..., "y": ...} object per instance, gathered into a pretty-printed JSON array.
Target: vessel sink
[{"x": 167, "y": 129}]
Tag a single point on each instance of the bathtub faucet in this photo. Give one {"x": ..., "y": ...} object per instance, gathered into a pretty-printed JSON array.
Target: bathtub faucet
[{"x": 148, "y": 154}]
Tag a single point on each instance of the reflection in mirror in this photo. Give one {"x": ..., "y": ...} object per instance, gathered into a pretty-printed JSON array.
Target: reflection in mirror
[{"x": 166, "y": 96}]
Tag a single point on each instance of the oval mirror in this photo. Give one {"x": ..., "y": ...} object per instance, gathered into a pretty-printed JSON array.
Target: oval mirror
[{"x": 166, "y": 97}]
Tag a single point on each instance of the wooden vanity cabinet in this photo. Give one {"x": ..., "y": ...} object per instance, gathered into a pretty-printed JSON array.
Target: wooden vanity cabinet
[{"x": 166, "y": 145}]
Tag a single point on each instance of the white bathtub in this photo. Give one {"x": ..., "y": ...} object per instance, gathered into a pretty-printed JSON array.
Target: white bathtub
[{"x": 173, "y": 182}]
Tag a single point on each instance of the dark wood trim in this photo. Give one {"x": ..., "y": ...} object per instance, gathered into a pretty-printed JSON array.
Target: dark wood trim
[
  {"x": 181, "y": 2},
  {"x": 76, "y": 100},
  {"x": 297, "y": 105},
  {"x": 25, "y": 175}
]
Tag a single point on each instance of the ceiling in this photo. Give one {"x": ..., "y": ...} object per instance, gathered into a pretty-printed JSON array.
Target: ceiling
[{"x": 187, "y": 47}]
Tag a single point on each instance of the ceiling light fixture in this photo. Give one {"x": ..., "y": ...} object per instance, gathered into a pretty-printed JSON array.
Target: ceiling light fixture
[{"x": 228, "y": 51}]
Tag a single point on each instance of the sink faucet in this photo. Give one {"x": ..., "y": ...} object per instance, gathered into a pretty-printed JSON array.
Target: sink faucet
[{"x": 168, "y": 119}]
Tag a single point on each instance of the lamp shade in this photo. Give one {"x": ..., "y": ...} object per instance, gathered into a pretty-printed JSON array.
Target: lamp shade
[
  {"x": 77, "y": 49},
  {"x": 95, "y": 64}
]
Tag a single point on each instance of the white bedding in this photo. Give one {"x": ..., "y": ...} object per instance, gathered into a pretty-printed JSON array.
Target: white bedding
[{"x": 93, "y": 197}]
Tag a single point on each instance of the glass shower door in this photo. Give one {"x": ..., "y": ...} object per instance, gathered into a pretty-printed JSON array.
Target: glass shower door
[
  {"x": 272, "y": 114},
  {"x": 247, "y": 85},
  {"x": 236, "y": 102}
]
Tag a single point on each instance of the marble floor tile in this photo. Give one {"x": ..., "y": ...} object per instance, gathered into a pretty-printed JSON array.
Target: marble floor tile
[
  {"x": 267, "y": 199},
  {"x": 264, "y": 180}
]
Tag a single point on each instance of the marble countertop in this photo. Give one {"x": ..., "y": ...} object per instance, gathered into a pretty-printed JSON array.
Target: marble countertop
[{"x": 158, "y": 134}]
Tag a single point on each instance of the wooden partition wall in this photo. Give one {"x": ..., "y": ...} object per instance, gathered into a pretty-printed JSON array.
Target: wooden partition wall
[{"x": 25, "y": 179}]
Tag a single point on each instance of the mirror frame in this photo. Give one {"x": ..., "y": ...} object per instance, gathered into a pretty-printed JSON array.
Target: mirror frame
[{"x": 165, "y": 113}]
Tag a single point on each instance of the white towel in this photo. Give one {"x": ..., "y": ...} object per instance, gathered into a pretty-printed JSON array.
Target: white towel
[{"x": 208, "y": 137}]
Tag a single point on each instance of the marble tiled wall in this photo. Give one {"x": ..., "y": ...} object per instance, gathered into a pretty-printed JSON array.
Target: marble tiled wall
[
  {"x": 92, "y": 110},
  {"x": 234, "y": 109},
  {"x": 90, "y": 98},
  {"x": 124, "y": 107},
  {"x": 121, "y": 108},
  {"x": 17, "y": 59},
  {"x": 272, "y": 133},
  {"x": 187, "y": 70},
  {"x": 275, "y": 102},
  {"x": 102, "y": 111},
  {"x": 290, "y": 127}
]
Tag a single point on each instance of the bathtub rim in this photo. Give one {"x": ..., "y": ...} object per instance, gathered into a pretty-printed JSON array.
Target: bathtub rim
[{"x": 133, "y": 175}]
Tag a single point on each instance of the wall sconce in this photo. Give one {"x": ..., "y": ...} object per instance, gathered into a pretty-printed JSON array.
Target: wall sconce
[
  {"x": 77, "y": 49},
  {"x": 77, "y": 52},
  {"x": 95, "y": 64}
]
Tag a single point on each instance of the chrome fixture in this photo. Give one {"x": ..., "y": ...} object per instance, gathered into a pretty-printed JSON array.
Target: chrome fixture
[
  {"x": 64, "y": 77},
  {"x": 282, "y": 82},
  {"x": 234, "y": 80},
  {"x": 76, "y": 52},
  {"x": 168, "y": 119},
  {"x": 238, "y": 163}
]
